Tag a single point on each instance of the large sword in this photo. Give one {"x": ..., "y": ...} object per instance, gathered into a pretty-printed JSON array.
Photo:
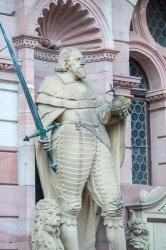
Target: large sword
[{"x": 41, "y": 131}]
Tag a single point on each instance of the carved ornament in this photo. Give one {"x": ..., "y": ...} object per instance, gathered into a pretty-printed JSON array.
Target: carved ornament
[
  {"x": 45, "y": 226},
  {"x": 128, "y": 82},
  {"x": 68, "y": 24},
  {"x": 137, "y": 234},
  {"x": 26, "y": 42},
  {"x": 156, "y": 96},
  {"x": 90, "y": 56},
  {"x": 6, "y": 67}
]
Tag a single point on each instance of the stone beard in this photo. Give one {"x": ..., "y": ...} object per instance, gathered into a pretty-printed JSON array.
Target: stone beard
[{"x": 88, "y": 169}]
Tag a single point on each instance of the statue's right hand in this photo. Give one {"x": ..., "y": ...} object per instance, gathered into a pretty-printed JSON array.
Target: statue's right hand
[{"x": 46, "y": 144}]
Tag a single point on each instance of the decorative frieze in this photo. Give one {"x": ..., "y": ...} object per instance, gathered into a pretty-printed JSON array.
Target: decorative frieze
[
  {"x": 156, "y": 96},
  {"x": 100, "y": 55},
  {"x": 6, "y": 67},
  {"x": 90, "y": 56},
  {"x": 127, "y": 82},
  {"x": 26, "y": 42},
  {"x": 46, "y": 55}
]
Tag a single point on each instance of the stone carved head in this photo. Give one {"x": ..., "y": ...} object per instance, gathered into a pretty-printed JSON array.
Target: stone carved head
[
  {"x": 138, "y": 235},
  {"x": 71, "y": 59},
  {"x": 45, "y": 226}
]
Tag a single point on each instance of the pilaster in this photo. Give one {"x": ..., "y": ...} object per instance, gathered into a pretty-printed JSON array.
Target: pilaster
[
  {"x": 157, "y": 110},
  {"x": 25, "y": 48}
]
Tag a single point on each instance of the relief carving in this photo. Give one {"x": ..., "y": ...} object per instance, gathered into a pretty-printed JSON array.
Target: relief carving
[
  {"x": 45, "y": 226},
  {"x": 137, "y": 234}
]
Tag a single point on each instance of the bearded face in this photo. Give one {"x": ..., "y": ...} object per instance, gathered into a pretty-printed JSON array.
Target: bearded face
[{"x": 76, "y": 64}]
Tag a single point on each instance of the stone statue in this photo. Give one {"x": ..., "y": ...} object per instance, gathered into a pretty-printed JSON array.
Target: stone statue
[
  {"x": 138, "y": 234},
  {"x": 88, "y": 164},
  {"x": 45, "y": 226}
]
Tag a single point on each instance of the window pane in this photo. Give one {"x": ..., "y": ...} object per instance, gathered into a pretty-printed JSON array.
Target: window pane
[
  {"x": 156, "y": 20},
  {"x": 139, "y": 131}
]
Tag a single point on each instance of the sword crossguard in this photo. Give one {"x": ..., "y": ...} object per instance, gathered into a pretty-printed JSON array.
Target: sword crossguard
[
  {"x": 113, "y": 89},
  {"x": 41, "y": 132}
]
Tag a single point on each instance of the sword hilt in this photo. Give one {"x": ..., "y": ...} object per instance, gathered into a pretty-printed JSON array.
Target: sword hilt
[
  {"x": 112, "y": 89},
  {"x": 53, "y": 164},
  {"x": 43, "y": 133}
]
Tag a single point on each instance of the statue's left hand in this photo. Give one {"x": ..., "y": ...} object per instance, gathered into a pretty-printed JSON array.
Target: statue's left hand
[
  {"x": 121, "y": 107},
  {"x": 124, "y": 113}
]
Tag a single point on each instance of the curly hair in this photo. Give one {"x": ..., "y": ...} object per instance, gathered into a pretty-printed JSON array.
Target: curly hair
[{"x": 63, "y": 59}]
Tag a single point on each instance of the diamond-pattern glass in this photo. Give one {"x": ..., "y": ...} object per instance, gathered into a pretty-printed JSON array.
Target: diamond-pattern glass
[
  {"x": 138, "y": 133},
  {"x": 156, "y": 20}
]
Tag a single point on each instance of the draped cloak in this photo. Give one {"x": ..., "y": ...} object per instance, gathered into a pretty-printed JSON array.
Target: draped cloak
[{"x": 54, "y": 98}]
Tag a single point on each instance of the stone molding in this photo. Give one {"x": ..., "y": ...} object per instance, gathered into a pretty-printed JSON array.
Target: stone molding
[
  {"x": 140, "y": 26},
  {"x": 7, "y": 67},
  {"x": 46, "y": 55},
  {"x": 127, "y": 82},
  {"x": 90, "y": 56},
  {"x": 156, "y": 96},
  {"x": 155, "y": 65},
  {"x": 24, "y": 41},
  {"x": 100, "y": 55},
  {"x": 51, "y": 55}
]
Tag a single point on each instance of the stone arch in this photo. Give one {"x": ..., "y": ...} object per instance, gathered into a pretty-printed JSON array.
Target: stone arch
[
  {"x": 152, "y": 63},
  {"x": 41, "y": 11},
  {"x": 140, "y": 26}
]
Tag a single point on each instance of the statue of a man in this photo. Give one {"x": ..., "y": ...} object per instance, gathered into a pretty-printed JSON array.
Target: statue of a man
[{"x": 87, "y": 161}]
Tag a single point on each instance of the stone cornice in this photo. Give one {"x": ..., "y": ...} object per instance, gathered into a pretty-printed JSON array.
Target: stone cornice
[
  {"x": 90, "y": 56},
  {"x": 46, "y": 54},
  {"x": 100, "y": 55},
  {"x": 7, "y": 67},
  {"x": 127, "y": 82},
  {"x": 24, "y": 41},
  {"x": 156, "y": 96},
  {"x": 51, "y": 55}
]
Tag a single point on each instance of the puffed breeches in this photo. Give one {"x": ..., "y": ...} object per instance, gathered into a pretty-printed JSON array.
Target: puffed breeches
[{"x": 83, "y": 160}]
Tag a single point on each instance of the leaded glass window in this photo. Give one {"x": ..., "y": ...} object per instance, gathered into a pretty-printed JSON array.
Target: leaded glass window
[
  {"x": 156, "y": 20},
  {"x": 139, "y": 128}
]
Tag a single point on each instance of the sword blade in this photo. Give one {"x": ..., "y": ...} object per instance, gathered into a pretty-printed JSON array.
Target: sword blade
[
  {"x": 20, "y": 75},
  {"x": 39, "y": 125}
]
